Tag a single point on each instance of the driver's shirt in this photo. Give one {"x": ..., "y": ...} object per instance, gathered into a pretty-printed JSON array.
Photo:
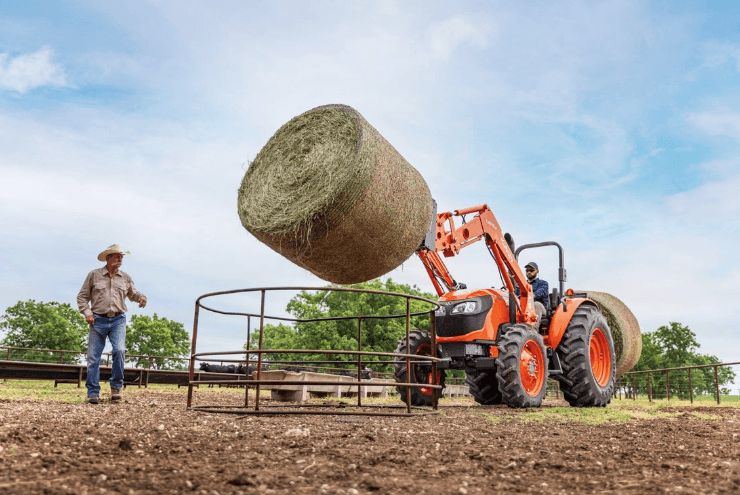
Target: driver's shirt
[
  {"x": 106, "y": 294},
  {"x": 540, "y": 291}
]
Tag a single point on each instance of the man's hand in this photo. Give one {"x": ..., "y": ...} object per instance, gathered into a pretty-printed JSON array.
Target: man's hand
[
  {"x": 142, "y": 301},
  {"x": 90, "y": 320}
]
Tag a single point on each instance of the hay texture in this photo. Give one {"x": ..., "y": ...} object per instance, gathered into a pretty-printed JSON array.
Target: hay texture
[
  {"x": 329, "y": 193},
  {"x": 625, "y": 329}
]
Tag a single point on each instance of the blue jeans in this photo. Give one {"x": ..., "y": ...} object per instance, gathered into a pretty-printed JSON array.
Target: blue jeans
[{"x": 115, "y": 330}]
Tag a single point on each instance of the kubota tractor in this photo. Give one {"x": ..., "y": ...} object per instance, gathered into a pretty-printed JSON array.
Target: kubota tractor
[{"x": 495, "y": 335}]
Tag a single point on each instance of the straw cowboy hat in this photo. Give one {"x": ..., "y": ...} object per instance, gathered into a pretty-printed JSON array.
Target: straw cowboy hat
[{"x": 114, "y": 249}]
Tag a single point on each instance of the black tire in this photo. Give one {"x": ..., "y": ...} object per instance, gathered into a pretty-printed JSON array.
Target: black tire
[
  {"x": 420, "y": 343},
  {"x": 521, "y": 343},
  {"x": 483, "y": 386},
  {"x": 587, "y": 381}
]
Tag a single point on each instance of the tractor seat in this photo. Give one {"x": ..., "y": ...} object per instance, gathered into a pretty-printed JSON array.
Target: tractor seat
[{"x": 545, "y": 321}]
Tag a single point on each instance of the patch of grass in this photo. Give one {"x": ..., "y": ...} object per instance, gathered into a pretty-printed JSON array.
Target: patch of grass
[
  {"x": 590, "y": 415},
  {"x": 596, "y": 416},
  {"x": 40, "y": 390},
  {"x": 658, "y": 413},
  {"x": 67, "y": 392},
  {"x": 494, "y": 419},
  {"x": 703, "y": 401}
]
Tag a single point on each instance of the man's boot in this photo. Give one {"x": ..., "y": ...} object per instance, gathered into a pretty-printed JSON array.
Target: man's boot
[{"x": 115, "y": 395}]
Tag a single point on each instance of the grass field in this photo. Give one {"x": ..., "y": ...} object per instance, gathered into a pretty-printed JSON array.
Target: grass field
[{"x": 619, "y": 411}]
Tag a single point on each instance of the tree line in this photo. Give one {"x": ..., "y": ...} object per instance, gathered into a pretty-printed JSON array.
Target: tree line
[
  {"x": 54, "y": 325},
  {"x": 378, "y": 334},
  {"x": 674, "y": 346}
]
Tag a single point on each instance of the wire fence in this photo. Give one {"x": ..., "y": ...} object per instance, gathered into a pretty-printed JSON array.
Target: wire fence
[
  {"x": 701, "y": 383},
  {"x": 708, "y": 382},
  {"x": 60, "y": 356}
]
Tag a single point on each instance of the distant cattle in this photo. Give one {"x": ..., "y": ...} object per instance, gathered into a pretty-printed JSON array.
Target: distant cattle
[
  {"x": 217, "y": 368},
  {"x": 241, "y": 369}
]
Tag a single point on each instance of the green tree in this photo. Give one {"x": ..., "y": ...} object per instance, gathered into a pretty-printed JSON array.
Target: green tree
[
  {"x": 44, "y": 326},
  {"x": 378, "y": 334},
  {"x": 155, "y": 336},
  {"x": 675, "y": 346}
]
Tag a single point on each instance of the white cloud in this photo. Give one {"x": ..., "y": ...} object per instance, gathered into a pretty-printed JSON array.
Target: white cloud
[
  {"x": 724, "y": 167},
  {"x": 445, "y": 37},
  {"x": 714, "y": 203},
  {"x": 554, "y": 92},
  {"x": 718, "y": 123},
  {"x": 33, "y": 70},
  {"x": 718, "y": 53}
]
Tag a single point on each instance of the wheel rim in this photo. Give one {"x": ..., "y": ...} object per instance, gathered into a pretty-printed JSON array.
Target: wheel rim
[
  {"x": 532, "y": 368},
  {"x": 601, "y": 362},
  {"x": 426, "y": 350}
]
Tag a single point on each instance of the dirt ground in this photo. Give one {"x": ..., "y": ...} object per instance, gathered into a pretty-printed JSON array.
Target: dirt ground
[{"x": 150, "y": 444}]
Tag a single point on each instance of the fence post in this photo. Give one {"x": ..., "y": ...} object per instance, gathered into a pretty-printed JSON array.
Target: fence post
[
  {"x": 667, "y": 386},
  {"x": 61, "y": 357},
  {"x": 359, "y": 362},
  {"x": 716, "y": 382},
  {"x": 634, "y": 388},
  {"x": 650, "y": 389},
  {"x": 691, "y": 388},
  {"x": 246, "y": 358}
]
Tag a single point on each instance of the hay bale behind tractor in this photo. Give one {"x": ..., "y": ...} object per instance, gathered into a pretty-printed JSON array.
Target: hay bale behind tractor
[
  {"x": 624, "y": 327},
  {"x": 329, "y": 193}
]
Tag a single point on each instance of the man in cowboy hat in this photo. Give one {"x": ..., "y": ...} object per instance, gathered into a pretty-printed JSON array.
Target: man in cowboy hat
[{"x": 106, "y": 289}]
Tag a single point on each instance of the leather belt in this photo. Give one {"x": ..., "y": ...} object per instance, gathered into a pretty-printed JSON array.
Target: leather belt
[{"x": 109, "y": 315}]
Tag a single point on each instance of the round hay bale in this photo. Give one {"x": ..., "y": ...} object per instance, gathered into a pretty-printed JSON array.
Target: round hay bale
[
  {"x": 625, "y": 329},
  {"x": 329, "y": 193}
]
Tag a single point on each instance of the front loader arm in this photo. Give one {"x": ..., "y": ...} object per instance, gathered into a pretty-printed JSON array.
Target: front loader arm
[{"x": 450, "y": 241}]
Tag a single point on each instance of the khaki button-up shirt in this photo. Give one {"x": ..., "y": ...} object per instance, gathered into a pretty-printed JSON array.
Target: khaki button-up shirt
[{"x": 106, "y": 294}]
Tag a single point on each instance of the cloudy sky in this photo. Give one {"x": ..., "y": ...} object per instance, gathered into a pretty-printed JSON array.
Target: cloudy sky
[{"x": 609, "y": 127}]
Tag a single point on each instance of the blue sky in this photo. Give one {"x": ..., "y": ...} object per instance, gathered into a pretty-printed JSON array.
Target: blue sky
[{"x": 609, "y": 127}]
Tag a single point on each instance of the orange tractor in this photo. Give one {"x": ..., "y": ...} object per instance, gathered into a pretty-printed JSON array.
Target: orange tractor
[{"x": 496, "y": 336}]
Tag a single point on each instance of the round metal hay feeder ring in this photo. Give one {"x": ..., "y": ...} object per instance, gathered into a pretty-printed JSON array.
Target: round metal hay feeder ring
[{"x": 258, "y": 381}]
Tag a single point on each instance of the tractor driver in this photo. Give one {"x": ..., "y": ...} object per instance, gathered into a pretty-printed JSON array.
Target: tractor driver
[
  {"x": 540, "y": 288},
  {"x": 540, "y": 291}
]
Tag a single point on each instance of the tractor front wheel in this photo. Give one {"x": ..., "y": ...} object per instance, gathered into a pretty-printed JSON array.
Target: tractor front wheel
[
  {"x": 483, "y": 386},
  {"x": 587, "y": 356},
  {"x": 521, "y": 367},
  {"x": 420, "y": 344}
]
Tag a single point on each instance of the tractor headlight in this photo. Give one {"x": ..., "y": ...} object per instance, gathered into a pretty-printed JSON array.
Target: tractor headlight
[{"x": 465, "y": 308}]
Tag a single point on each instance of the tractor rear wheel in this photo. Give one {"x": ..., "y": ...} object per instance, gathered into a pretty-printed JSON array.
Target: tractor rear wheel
[
  {"x": 420, "y": 344},
  {"x": 521, "y": 367},
  {"x": 483, "y": 386},
  {"x": 587, "y": 356}
]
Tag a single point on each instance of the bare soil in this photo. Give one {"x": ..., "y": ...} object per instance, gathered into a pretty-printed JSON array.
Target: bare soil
[{"x": 149, "y": 444}]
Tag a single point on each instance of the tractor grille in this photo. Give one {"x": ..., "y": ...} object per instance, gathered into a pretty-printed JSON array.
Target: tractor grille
[{"x": 449, "y": 325}]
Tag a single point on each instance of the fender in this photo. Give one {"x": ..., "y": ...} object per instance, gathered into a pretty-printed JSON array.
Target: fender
[{"x": 561, "y": 319}]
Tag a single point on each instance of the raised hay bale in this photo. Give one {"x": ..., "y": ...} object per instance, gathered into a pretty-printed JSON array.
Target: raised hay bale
[
  {"x": 329, "y": 193},
  {"x": 624, "y": 327}
]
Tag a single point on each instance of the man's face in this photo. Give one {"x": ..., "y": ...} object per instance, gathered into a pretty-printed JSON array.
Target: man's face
[
  {"x": 114, "y": 260},
  {"x": 531, "y": 273}
]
